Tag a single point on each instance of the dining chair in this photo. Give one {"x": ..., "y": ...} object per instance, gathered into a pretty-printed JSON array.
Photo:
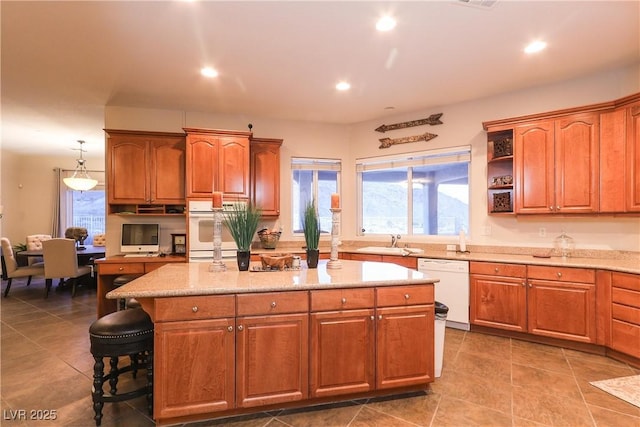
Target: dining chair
[
  {"x": 99, "y": 239},
  {"x": 11, "y": 270},
  {"x": 34, "y": 243},
  {"x": 61, "y": 261}
]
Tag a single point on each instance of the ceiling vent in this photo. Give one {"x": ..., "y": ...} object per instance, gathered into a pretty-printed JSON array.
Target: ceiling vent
[{"x": 480, "y": 4}]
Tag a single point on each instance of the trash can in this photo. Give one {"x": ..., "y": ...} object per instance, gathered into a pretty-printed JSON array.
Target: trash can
[{"x": 441, "y": 311}]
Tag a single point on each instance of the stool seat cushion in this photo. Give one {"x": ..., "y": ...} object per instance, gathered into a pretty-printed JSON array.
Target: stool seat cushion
[
  {"x": 121, "y": 327},
  {"x": 124, "y": 279}
]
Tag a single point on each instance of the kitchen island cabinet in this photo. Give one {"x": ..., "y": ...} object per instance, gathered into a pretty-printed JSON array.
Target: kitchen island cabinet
[{"x": 270, "y": 325}]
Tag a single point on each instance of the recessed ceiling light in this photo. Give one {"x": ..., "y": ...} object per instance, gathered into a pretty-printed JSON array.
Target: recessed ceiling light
[
  {"x": 343, "y": 86},
  {"x": 208, "y": 72},
  {"x": 534, "y": 47},
  {"x": 386, "y": 23}
]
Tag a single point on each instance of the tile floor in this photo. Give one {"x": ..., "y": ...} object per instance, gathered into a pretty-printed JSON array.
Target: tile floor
[{"x": 486, "y": 380}]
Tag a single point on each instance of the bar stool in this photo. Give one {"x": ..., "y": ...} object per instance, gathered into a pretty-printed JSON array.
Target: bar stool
[
  {"x": 123, "y": 333},
  {"x": 123, "y": 280}
]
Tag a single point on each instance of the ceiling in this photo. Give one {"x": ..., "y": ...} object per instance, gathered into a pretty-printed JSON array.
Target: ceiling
[{"x": 63, "y": 62}]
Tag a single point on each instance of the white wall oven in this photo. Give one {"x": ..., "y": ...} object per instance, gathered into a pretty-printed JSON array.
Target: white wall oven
[{"x": 201, "y": 231}]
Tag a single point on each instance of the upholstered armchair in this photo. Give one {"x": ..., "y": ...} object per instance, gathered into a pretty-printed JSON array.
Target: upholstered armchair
[
  {"x": 10, "y": 269},
  {"x": 99, "y": 240}
]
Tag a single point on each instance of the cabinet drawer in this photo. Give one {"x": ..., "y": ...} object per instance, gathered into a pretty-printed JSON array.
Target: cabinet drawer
[
  {"x": 626, "y": 313},
  {"x": 194, "y": 308},
  {"x": 123, "y": 268},
  {"x": 273, "y": 303},
  {"x": 625, "y": 337},
  {"x": 626, "y": 297},
  {"x": 342, "y": 299},
  {"x": 498, "y": 269},
  {"x": 562, "y": 274},
  {"x": 627, "y": 281},
  {"x": 404, "y": 295}
]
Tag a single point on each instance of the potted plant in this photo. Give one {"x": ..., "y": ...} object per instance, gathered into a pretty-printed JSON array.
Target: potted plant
[
  {"x": 242, "y": 223},
  {"x": 311, "y": 228}
]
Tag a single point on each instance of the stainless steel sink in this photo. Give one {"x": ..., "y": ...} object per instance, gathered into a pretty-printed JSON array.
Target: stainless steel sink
[{"x": 383, "y": 250}]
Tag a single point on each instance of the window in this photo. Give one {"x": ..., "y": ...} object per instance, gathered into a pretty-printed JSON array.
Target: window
[
  {"x": 313, "y": 179},
  {"x": 83, "y": 208},
  {"x": 422, "y": 194}
]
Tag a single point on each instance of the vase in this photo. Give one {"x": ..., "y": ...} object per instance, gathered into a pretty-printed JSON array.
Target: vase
[
  {"x": 243, "y": 258},
  {"x": 312, "y": 258}
]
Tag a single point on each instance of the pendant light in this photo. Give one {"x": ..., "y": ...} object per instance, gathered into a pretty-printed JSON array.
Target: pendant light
[{"x": 80, "y": 180}]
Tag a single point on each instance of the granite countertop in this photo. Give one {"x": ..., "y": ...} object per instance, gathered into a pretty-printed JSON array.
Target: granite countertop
[{"x": 183, "y": 279}]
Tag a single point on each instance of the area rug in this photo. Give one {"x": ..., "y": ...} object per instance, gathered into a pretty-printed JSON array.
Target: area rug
[{"x": 625, "y": 388}]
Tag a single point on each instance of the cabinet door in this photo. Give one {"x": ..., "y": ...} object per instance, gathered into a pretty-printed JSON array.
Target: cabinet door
[
  {"x": 342, "y": 352},
  {"x": 633, "y": 159},
  {"x": 233, "y": 167},
  {"x": 194, "y": 367},
  {"x": 404, "y": 346},
  {"x": 576, "y": 163},
  {"x": 272, "y": 359},
  {"x": 202, "y": 165},
  {"x": 128, "y": 170},
  {"x": 265, "y": 176},
  {"x": 498, "y": 302},
  {"x": 612, "y": 142},
  {"x": 167, "y": 170},
  {"x": 534, "y": 168},
  {"x": 564, "y": 310}
]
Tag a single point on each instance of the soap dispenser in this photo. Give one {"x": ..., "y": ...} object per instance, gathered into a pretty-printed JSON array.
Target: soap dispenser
[{"x": 564, "y": 244}]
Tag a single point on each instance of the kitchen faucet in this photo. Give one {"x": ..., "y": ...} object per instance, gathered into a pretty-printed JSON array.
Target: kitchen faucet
[{"x": 394, "y": 240}]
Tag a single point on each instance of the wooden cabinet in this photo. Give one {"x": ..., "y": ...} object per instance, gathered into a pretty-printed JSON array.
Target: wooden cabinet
[
  {"x": 625, "y": 313},
  {"x": 404, "y": 336},
  {"x": 633, "y": 158},
  {"x": 145, "y": 172},
  {"x": 194, "y": 358},
  {"x": 272, "y": 348},
  {"x": 405, "y": 261},
  {"x": 556, "y": 302},
  {"x": 498, "y": 295},
  {"x": 342, "y": 358},
  {"x": 265, "y": 175},
  {"x": 562, "y": 303},
  {"x": 556, "y": 165},
  {"x": 217, "y": 160},
  {"x": 500, "y": 195}
]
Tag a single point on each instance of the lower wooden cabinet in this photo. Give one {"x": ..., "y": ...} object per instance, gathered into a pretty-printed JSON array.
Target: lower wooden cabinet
[
  {"x": 228, "y": 352},
  {"x": 556, "y": 302},
  {"x": 625, "y": 313}
]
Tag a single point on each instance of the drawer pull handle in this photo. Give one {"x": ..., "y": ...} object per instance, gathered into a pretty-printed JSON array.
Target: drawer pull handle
[
  {"x": 240, "y": 328},
  {"x": 407, "y": 296},
  {"x": 344, "y": 300},
  {"x": 194, "y": 308},
  {"x": 230, "y": 328},
  {"x": 559, "y": 274},
  {"x": 120, "y": 268},
  {"x": 273, "y": 304}
]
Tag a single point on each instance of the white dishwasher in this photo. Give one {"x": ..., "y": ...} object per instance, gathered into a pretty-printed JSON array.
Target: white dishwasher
[{"x": 453, "y": 288}]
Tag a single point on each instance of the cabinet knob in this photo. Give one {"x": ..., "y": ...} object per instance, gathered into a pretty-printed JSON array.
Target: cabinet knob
[
  {"x": 230, "y": 328},
  {"x": 273, "y": 304},
  {"x": 524, "y": 284},
  {"x": 550, "y": 208},
  {"x": 379, "y": 316},
  {"x": 344, "y": 300},
  {"x": 120, "y": 268},
  {"x": 530, "y": 285},
  {"x": 559, "y": 274},
  {"x": 194, "y": 308},
  {"x": 240, "y": 328},
  {"x": 558, "y": 207},
  {"x": 407, "y": 296},
  {"x": 373, "y": 317},
  {"x": 496, "y": 269}
]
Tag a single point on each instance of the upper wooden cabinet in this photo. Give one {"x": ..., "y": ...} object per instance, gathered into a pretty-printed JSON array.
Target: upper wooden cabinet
[
  {"x": 583, "y": 160},
  {"x": 217, "y": 160},
  {"x": 557, "y": 165},
  {"x": 145, "y": 172},
  {"x": 265, "y": 175}
]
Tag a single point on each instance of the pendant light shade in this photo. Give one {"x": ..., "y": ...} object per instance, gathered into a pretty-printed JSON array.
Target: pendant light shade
[{"x": 80, "y": 180}]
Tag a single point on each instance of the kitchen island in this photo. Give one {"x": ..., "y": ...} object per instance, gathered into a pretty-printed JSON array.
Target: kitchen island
[{"x": 236, "y": 342}]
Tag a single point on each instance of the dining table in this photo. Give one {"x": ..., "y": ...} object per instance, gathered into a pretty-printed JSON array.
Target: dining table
[{"x": 86, "y": 253}]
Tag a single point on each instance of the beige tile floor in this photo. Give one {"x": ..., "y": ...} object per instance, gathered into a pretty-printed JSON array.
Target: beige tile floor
[{"x": 486, "y": 380}]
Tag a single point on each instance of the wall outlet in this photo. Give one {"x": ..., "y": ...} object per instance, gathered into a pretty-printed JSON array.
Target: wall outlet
[
  {"x": 451, "y": 247},
  {"x": 542, "y": 232}
]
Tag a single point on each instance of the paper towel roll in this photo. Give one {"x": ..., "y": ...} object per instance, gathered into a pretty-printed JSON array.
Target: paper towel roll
[{"x": 463, "y": 242}]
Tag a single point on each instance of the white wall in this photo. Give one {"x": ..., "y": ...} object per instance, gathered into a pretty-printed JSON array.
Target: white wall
[{"x": 27, "y": 208}]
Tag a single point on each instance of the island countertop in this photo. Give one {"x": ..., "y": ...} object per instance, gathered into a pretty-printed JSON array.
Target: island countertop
[{"x": 189, "y": 279}]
